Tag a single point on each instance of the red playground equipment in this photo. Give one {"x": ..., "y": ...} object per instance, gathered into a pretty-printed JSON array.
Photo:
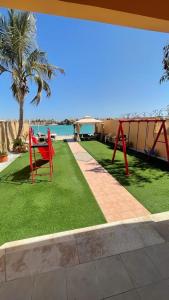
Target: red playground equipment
[
  {"x": 121, "y": 137},
  {"x": 45, "y": 150}
]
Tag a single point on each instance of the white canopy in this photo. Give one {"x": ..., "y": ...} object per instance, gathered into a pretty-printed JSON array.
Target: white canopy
[{"x": 88, "y": 120}]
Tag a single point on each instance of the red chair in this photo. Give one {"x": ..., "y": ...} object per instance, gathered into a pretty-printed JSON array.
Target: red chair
[{"x": 45, "y": 150}]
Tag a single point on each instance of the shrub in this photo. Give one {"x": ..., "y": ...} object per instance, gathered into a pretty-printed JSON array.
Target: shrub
[{"x": 3, "y": 153}]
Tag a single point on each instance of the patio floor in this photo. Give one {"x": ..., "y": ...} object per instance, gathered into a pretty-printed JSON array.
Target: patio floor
[
  {"x": 114, "y": 200},
  {"x": 126, "y": 260}
]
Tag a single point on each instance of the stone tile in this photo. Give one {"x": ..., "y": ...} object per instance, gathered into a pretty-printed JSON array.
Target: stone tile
[
  {"x": 50, "y": 286},
  {"x": 90, "y": 246},
  {"x": 19, "y": 289},
  {"x": 149, "y": 235},
  {"x": 2, "y": 265},
  {"x": 20, "y": 264},
  {"x": 82, "y": 283},
  {"x": 140, "y": 268},
  {"x": 131, "y": 295},
  {"x": 122, "y": 238},
  {"x": 157, "y": 291},
  {"x": 60, "y": 255},
  {"x": 163, "y": 229},
  {"x": 41, "y": 259},
  {"x": 112, "y": 276},
  {"x": 159, "y": 255}
]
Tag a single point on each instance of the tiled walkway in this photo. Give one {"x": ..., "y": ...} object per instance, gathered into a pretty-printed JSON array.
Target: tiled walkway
[{"x": 114, "y": 200}]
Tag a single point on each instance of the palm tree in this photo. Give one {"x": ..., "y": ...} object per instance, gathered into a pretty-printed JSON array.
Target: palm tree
[
  {"x": 20, "y": 57},
  {"x": 165, "y": 63}
]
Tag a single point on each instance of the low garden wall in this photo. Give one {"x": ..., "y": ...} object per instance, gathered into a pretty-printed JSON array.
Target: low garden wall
[
  {"x": 110, "y": 128},
  {"x": 8, "y": 132}
]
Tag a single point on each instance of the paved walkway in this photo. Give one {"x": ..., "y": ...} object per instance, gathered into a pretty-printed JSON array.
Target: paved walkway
[{"x": 114, "y": 200}]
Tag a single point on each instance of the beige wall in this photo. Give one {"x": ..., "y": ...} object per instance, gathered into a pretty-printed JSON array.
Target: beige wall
[
  {"x": 110, "y": 127},
  {"x": 8, "y": 132}
]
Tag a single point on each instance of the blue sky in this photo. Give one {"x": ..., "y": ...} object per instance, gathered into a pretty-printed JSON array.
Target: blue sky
[{"x": 110, "y": 70}]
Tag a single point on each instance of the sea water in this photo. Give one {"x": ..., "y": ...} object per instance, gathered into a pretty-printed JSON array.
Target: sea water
[{"x": 63, "y": 130}]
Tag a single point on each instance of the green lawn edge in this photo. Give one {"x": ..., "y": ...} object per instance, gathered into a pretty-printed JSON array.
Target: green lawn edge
[{"x": 28, "y": 210}]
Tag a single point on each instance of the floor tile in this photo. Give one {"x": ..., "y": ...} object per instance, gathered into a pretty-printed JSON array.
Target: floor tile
[
  {"x": 50, "y": 286},
  {"x": 89, "y": 247},
  {"x": 148, "y": 234},
  {"x": 157, "y": 291},
  {"x": 131, "y": 295},
  {"x": 122, "y": 238},
  {"x": 112, "y": 276},
  {"x": 140, "y": 268},
  {"x": 18, "y": 289},
  {"x": 159, "y": 255},
  {"x": 163, "y": 229},
  {"x": 82, "y": 283}
]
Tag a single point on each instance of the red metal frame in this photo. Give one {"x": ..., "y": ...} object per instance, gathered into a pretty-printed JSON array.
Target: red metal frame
[
  {"x": 45, "y": 150},
  {"x": 120, "y": 136}
]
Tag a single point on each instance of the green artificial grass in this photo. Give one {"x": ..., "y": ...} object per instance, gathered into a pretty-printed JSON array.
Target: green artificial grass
[
  {"x": 149, "y": 179},
  {"x": 45, "y": 207}
]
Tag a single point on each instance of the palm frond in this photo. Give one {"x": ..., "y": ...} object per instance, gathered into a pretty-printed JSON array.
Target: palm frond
[
  {"x": 42, "y": 86},
  {"x": 37, "y": 56},
  {"x": 2, "y": 69},
  {"x": 47, "y": 70},
  {"x": 46, "y": 88},
  {"x": 164, "y": 78},
  {"x": 165, "y": 63},
  {"x": 15, "y": 90},
  {"x": 39, "y": 81},
  {"x": 37, "y": 61}
]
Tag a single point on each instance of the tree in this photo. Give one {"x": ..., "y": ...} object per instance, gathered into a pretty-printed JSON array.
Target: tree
[
  {"x": 167, "y": 110},
  {"x": 165, "y": 63},
  {"x": 20, "y": 57}
]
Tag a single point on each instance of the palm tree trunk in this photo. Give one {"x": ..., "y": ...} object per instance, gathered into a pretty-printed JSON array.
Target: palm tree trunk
[{"x": 20, "y": 129}]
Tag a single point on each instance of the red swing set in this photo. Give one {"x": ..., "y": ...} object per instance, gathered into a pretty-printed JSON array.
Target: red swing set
[
  {"x": 45, "y": 150},
  {"x": 121, "y": 137}
]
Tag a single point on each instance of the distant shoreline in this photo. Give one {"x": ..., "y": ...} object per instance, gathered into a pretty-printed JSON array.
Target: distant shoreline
[{"x": 62, "y": 130}]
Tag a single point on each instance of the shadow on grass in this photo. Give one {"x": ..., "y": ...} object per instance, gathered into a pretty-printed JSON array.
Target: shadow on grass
[
  {"x": 23, "y": 175},
  {"x": 143, "y": 169}
]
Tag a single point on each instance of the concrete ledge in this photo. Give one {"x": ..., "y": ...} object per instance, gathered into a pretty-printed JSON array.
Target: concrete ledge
[
  {"x": 36, "y": 255},
  {"x": 2, "y": 265},
  {"x": 74, "y": 264}
]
